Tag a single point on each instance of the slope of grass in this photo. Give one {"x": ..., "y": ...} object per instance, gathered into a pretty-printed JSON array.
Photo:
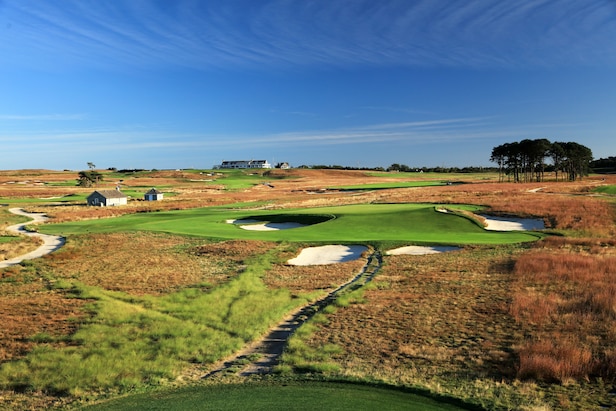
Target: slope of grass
[
  {"x": 288, "y": 396},
  {"x": 608, "y": 189},
  {"x": 239, "y": 179},
  {"x": 418, "y": 223}
]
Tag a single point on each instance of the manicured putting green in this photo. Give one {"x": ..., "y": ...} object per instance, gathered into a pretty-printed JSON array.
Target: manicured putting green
[
  {"x": 414, "y": 223},
  {"x": 287, "y": 397}
]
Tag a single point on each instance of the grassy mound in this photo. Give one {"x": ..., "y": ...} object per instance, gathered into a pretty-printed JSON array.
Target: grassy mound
[{"x": 290, "y": 396}]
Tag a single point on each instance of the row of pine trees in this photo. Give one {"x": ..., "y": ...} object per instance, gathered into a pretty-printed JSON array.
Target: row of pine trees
[{"x": 525, "y": 161}]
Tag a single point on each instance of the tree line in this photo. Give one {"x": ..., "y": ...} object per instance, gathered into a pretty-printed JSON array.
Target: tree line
[
  {"x": 604, "y": 165},
  {"x": 525, "y": 161}
]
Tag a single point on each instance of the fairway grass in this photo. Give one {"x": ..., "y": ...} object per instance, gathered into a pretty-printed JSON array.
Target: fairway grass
[
  {"x": 284, "y": 397},
  {"x": 413, "y": 223},
  {"x": 607, "y": 189},
  {"x": 390, "y": 185}
]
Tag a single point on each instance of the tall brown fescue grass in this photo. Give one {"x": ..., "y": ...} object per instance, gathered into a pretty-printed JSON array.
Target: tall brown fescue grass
[
  {"x": 32, "y": 313},
  {"x": 117, "y": 261},
  {"x": 19, "y": 246},
  {"x": 568, "y": 301},
  {"x": 556, "y": 361}
]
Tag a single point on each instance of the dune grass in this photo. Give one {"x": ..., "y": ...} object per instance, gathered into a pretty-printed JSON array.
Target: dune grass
[
  {"x": 134, "y": 341},
  {"x": 417, "y": 223}
]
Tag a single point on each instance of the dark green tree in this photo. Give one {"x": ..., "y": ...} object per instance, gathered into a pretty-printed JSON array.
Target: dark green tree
[
  {"x": 525, "y": 160},
  {"x": 557, "y": 154},
  {"x": 576, "y": 161},
  {"x": 89, "y": 178}
]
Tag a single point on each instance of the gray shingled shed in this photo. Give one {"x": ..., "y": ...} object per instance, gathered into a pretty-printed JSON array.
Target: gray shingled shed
[{"x": 104, "y": 198}]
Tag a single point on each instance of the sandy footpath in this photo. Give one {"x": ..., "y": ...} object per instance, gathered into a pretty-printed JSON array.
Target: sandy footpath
[{"x": 50, "y": 242}]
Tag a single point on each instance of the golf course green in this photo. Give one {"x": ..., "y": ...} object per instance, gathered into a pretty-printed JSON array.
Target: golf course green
[{"x": 416, "y": 223}]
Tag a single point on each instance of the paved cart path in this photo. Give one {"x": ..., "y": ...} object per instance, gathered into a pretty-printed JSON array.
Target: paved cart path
[{"x": 50, "y": 242}]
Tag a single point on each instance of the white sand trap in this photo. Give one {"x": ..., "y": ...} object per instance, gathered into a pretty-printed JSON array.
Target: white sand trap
[
  {"x": 271, "y": 226},
  {"x": 328, "y": 254},
  {"x": 244, "y": 221},
  {"x": 420, "y": 250},
  {"x": 512, "y": 224},
  {"x": 258, "y": 225}
]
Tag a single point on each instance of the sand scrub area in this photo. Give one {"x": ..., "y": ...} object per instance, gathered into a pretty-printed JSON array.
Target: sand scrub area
[{"x": 50, "y": 242}]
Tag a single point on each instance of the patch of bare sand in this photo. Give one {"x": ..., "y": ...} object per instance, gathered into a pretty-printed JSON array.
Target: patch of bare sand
[
  {"x": 328, "y": 254},
  {"x": 494, "y": 223},
  {"x": 257, "y": 225},
  {"x": 420, "y": 250}
]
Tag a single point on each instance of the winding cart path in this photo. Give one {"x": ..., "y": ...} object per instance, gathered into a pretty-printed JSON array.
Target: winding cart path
[
  {"x": 50, "y": 242},
  {"x": 268, "y": 350}
]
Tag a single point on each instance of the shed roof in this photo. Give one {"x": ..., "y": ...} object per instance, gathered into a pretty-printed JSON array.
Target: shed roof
[
  {"x": 110, "y": 193},
  {"x": 154, "y": 191}
]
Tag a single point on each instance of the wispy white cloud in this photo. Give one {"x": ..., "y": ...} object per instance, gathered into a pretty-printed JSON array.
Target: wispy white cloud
[
  {"x": 334, "y": 33},
  {"x": 42, "y": 117},
  {"x": 133, "y": 145},
  {"x": 135, "y": 139}
]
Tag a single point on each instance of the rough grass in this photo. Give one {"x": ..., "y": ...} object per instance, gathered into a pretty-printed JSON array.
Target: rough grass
[
  {"x": 117, "y": 262},
  {"x": 129, "y": 333},
  {"x": 33, "y": 314},
  {"x": 429, "y": 320},
  {"x": 11, "y": 247},
  {"x": 448, "y": 323},
  {"x": 130, "y": 341},
  {"x": 568, "y": 300}
]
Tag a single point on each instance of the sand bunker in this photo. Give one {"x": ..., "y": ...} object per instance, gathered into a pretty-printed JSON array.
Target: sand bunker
[
  {"x": 512, "y": 224},
  {"x": 243, "y": 221},
  {"x": 328, "y": 254},
  {"x": 257, "y": 225},
  {"x": 271, "y": 226},
  {"x": 420, "y": 250}
]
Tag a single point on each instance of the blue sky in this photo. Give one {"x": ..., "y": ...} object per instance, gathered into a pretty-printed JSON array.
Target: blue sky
[{"x": 189, "y": 83}]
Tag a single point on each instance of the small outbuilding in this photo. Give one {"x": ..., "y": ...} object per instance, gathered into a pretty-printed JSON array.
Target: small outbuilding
[
  {"x": 105, "y": 198},
  {"x": 153, "y": 195}
]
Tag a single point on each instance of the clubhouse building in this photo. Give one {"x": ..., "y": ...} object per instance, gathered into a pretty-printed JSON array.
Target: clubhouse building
[{"x": 244, "y": 164}]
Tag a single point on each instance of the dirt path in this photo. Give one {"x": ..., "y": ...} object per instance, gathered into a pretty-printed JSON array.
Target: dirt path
[
  {"x": 261, "y": 356},
  {"x": 50, "y": 242}
]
